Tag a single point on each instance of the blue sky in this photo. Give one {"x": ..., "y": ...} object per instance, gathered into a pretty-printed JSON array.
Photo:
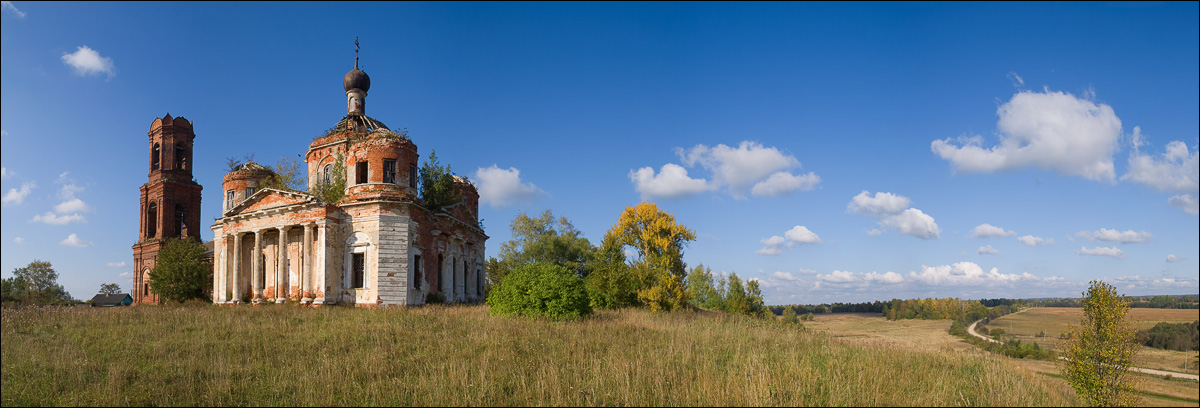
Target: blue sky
[{"x": 835, "y": 152}]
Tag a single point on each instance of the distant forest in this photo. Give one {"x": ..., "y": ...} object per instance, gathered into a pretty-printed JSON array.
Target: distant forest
[{"x": 950, "y": 307}]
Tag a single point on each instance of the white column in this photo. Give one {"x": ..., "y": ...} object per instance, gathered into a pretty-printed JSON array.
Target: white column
[
  {"x": 256, "y": 267},
  {"x": 322, "y": 266},
  {"x": 221, "y": 267},
  {"x": 306, "y": 269},
  {"x": 281, "y": 273},
  {"x": 237, "y": 267}
]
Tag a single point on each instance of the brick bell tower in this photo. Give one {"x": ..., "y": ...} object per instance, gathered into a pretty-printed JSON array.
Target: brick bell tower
[{"x": 170, "y": 200}]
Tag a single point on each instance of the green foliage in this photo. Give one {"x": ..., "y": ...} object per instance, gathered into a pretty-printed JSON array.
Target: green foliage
[
  {"x": 437, "y": 184},
  {"x": 333, "y": 191},
  {"x": 110, "y": 289},
  {"x": 35, "y": 284},
  {"x": 736, "y": 301},
  {"x": 435, "y": 298},
  {"x": 288, "y": 174},
  {"x": 540, "y": 290},
  {"x": 789, "y": 315},
  {"x": 180, "y": 273},
  {"x": 701, "y": 289},
  {"x": 1172, "y": 336},
  {"x": 544, "y": 239},
  {"x": 1101, "y": 349},
  {"x": 665, "y": 294},
  {"x": 611, "y": 283}
]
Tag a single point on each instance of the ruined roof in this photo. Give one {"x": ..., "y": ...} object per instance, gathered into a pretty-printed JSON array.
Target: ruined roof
[{"x": 358, "y": 124}]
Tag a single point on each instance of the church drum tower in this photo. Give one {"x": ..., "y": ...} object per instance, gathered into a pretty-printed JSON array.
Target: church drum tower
[{"x": 170, "y": 200}]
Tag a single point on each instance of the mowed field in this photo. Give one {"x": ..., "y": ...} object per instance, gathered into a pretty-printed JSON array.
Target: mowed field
[
  {"x": 932, "y": 335},
  {"x": 1054, "y": 320},
  {"x": 281, "y": 355}
]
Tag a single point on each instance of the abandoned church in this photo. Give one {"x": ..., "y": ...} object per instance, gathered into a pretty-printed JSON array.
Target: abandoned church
[{"x": 361, "y": 235}]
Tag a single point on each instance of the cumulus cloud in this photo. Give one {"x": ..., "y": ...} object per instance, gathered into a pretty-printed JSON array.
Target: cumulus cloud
[
  {"x": 117, "y": 264},
  {"x": 782, "y": 182},
  {"x": 875, "y": 232},
  {"x": 1176, "y": 171},
  {"x": 1138, "y": 282},
  {"x": 87, "y": 61},
  {"x": 966, "y": 274},
  {"x": 1102, "y": 251},
  {"x": 19, "y": 240},
  {"x": 748, "y": 168},
  {"x": 1050, "y": 130},
  {"x": 846, "y": 279},
  {"x": 989, "y": 230},
  {"x": 8, "y": 6},
  {"x": 1030, "y": 240},
  {"x": 15, "y": 196},
  {"x": 74, "y": 241},
  {"x": 1186, "y": 202},
  {"x": 72, "y": 205},
  {"x": 1105, "y": 234},
  {"x": 890, "y": 209},
  {"x": 987, "y": 249},
  {"x": 798, "y": 234},
  {"x": 55, "y": 219},
  {"x": 500, "y": 188},
  {"x": 1173, "y": 259},
  {"x": 671, "y": 182},
  {"x": 879, "y": 205}
]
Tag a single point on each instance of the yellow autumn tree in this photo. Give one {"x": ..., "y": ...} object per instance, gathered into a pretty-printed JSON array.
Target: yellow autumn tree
[
  {"x": 1100, "y": 350},
  {"x": 658, "y": 267}
]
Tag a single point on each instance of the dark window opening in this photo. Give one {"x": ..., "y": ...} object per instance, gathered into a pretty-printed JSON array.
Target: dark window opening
[
  {"x": 152, "y": 220},
  {"x": 146, "y": 289},
  {"x": 180, "y": 225},
  {"x": 412, "y": 176},
  {"x": 439, "y": 275},
  {"x": 417, "y": 272},
  {"x": 249, "y": 192},
  {"x": 328, "y": 177},
  {"x": 154, "y": 157},
  {"x": 180, "y": 158},
  {"x": 358, "y": 270},
  {"x": 389, "y": 171},
  {"x": 362, "y": 172}
]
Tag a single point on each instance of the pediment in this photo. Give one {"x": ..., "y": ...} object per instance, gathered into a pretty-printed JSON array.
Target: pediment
[{"x": 268, "y": 199}]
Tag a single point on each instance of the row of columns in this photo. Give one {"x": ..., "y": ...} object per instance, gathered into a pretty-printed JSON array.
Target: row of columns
[{"x": 257, "y": 272}]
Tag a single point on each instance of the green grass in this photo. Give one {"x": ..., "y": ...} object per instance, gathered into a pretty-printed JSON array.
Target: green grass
[
  {"x": 1142, "y": 393},
  {"x": 459, "y": 355}
]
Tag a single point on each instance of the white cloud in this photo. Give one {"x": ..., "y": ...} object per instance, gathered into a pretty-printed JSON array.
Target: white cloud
[
  {"x": 798, "y": 234},
  {"x": 671, "y": 182},
  {"x": 802, "y": 235},
  {"x": 1173, "y": 259},
  {"x": 783, "y": 182},
  {"x": 1030, "y": 240},
  {"x": 1138, "y": 282},
  {"x": 72, "y": 205},
  {"x": 73, "y": 240},
  {"x": 881, "y": 204},
  {"x": 500, "y": 188},
  {"x": 1104, "y": 251},
  {"x": 771, "y": 246},
  {"x": 87, "y": 61},
  {"x": 15, "y": 196},
  {"x": 55, "y": 219},
  {"x": 875, "y": 232},
  {"x": 1049, "y": 130},
  {"x": 987, "y": 249},
  {"x": 845, "y": 279},
  {"x": 1178, "y": 170},
  {"x": 989, "y": 230},
  {"x": 966, "y": 274},
  {"x": 8, "y": 6},
  {"x": 912, "y": 222},
  {"x": 1017, "y": 81},
  {"x": 19, "y": 240},
  {"x": 3, "y": 172},
  {"x": 117, "y": 264},
  {"x": 784, "y": 275},
  {"x": 1186, "y": 202},
  {"x": 1105, "y": 234}
]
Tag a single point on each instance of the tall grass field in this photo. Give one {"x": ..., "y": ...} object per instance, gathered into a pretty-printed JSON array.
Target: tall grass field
[{"x": 459, "y": 355}]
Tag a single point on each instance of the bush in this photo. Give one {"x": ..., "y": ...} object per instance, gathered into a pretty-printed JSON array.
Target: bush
[{"x": 540, "y": 290}]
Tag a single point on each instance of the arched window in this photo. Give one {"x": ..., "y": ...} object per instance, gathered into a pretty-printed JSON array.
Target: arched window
[
  {"x": 151, "y": 220},
  {"x": 180, "y": 215},
  {"x": 180, "y": 157},
  {"x": 327, "y": 177},
  {"x": 155, "y": 154}
]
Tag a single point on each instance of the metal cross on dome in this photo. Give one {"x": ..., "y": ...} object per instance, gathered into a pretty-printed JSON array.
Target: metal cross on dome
[{"x": 355, "y": 52}]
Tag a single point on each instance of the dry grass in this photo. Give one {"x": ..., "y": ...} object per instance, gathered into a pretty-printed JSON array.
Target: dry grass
[
  {"x": 1054, "y": 320},
  {"x": 281, "y": 355}
]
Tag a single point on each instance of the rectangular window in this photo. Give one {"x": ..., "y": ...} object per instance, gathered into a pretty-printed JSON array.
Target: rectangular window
[
  {"x": 249, "y": 192},
  {"x": 416, "y": 272},
  {"x": 412, "y": 176},
  {"x": 362, "y": 172},
  {"x": 229, "y": 199},
  {"x": 358, "y": 263},
  {"x": 389, "y": 171}
]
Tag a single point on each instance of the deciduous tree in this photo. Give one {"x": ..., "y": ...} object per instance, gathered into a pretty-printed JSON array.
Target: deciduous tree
[
  {"x": 180, "y": 273},
  {"x": 1100, "y": 350},
  {"x": 36, "y": 283},
  {"x": 658, "y": 242},
  {"x": 110, "y": 289}
]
